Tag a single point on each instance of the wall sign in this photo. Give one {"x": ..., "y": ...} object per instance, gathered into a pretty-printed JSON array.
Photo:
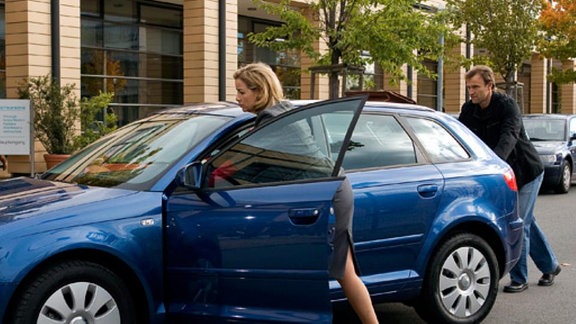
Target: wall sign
[{"x": 15, "y": 130}]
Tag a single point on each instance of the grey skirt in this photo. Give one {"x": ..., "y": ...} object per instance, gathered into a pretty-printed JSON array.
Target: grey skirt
[{"x": 342, "y": 239}]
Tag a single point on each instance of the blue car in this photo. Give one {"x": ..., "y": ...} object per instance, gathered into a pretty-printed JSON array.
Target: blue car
[
  {"x": 193, "y": 216},
  {"x": 554, "y": 137}
]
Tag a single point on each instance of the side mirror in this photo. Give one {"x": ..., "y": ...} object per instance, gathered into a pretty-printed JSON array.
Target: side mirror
[{"x": 191, "y": 176}]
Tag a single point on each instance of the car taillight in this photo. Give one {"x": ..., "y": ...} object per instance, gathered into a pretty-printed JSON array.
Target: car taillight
[{"x": 510, "y": 180}]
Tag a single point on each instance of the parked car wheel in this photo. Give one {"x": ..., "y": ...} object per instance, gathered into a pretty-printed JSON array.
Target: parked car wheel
[
  {"x": 566, "y": 180},
  {"x": 461, "y": 283},
  {"x": 75, "y": 292}
]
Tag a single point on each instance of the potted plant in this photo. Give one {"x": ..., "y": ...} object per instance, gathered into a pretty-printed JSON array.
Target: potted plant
[
  {"x": 57, "y": 116},
  {"x": 55, "y": 113}
]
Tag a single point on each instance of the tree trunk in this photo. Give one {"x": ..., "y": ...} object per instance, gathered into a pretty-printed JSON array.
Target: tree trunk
[
  {"x": 333, "y": 81},
  {"x": 509, "y": 86},
  {"x": 333, "y": 85}
]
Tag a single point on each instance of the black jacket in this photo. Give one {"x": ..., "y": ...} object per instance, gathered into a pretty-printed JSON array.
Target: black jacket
[{"x": 500, "y": 126}]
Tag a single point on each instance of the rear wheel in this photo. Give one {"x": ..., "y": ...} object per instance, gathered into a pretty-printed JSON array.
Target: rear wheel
[
  {"x": 566, "y": 180},
  {"x": 461, "y": 283},
  {"x": 75, "y": 292}
]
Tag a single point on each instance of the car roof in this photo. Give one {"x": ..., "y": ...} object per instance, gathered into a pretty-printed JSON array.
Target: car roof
[
  {"x": 548, "y": 116},
  {"x": 373, "y": 104},
  {"x": 224, "y": 108},
  {"x": 232, "y": 109}
]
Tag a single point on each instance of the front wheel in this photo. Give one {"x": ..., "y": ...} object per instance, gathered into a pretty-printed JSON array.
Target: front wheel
[
  {"x": 566, "y": 179},
  {"x": 461, "y": 283},
  {"x": 75, "y": 292}
]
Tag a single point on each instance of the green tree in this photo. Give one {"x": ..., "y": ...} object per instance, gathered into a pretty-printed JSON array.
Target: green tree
[
  {"x": 558, "y": 39},
  {"x": 507, "y": 29},
  {"x": 393, "y": 32},
  {"x": 91, "y": 128}
]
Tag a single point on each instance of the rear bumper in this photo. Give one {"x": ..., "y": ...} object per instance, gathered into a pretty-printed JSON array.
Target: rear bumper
[{"x": 514, "y": 242}]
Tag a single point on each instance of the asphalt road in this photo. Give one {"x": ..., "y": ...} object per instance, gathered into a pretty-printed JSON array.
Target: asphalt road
[{"x": 556, "y": 215}]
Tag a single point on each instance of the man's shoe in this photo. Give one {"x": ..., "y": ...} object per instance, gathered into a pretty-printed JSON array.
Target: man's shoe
[
  {"x": 547, "y": 279},
  {"x": 515, "y": 287}
]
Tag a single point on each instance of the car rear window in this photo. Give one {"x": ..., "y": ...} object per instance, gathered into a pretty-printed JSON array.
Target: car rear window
[{"x": 437, "y": 142}]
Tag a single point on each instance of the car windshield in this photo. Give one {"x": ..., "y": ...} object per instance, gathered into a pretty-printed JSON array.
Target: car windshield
[
  {"x": 539, "y": 129},
  {"x": 135, "y": 155}
]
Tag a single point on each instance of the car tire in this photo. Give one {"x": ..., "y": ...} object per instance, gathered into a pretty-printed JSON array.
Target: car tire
[
  {"x": 566, "y": 179},
  {"x": 75, "y": 291},
  {"x": 461, "y": 282}
]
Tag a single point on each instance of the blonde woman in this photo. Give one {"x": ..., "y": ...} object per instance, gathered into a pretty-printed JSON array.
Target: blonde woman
[{"x": 259, "y": 91}]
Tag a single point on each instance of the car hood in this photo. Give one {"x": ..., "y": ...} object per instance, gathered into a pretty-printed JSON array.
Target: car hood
[
  {"x": 23, "y": 198},
  {"x": 549, "y": 147}
]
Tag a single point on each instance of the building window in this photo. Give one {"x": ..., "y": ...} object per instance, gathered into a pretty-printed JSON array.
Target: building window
[
  {"x": 134, "y": 49},
  {"x": 363, "y": 78},
  {"x": 286, "y": 64},
  {"x": 524, "y": 79},
  {"x": 427, "y": 87},
  {"x": 555, "y": 100}
]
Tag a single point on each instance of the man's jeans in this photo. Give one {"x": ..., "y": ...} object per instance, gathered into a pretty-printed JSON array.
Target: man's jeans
[{"x": 534, "y": 239}]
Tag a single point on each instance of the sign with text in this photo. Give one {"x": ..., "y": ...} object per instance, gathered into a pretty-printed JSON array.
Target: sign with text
[{"x": 15, "y": 133}]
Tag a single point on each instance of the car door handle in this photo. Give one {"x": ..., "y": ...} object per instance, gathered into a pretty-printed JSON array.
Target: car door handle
[
  {"x": 427, "y": 190},
  {"x": 303, "y": 216}
]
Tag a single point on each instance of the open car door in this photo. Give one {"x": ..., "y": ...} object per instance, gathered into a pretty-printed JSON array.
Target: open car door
[{"x": 249, "y": 238}]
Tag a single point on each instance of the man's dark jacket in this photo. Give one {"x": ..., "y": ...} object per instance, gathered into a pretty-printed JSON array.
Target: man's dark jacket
[{"x": 500, "y": 126}]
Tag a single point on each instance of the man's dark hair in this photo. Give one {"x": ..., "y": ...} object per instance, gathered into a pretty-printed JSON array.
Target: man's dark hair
[{"x": 484, "y": 71}]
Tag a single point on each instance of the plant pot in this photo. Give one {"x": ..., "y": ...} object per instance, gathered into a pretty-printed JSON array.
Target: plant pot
[{"x": 54, "y": 159}]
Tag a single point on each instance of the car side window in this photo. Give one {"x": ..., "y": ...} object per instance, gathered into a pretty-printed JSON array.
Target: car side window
[
  {"x": 293, "y": 147},
  {"x": 276, "y": 153},
  {"x": 377, "y": 141},
  {"x": 436, "y": 141},
  {"x": 572, "y": 127}
]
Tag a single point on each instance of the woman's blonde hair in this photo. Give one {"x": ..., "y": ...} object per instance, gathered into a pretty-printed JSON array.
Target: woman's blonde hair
[{"x": 260, "y": 78}]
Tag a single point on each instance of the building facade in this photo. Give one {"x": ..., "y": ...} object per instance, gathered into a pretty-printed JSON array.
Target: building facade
[{"x": 158, "y": 54}]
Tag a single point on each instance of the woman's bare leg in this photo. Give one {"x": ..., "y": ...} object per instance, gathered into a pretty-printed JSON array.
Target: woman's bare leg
[{"x": 357, "y": 293}]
